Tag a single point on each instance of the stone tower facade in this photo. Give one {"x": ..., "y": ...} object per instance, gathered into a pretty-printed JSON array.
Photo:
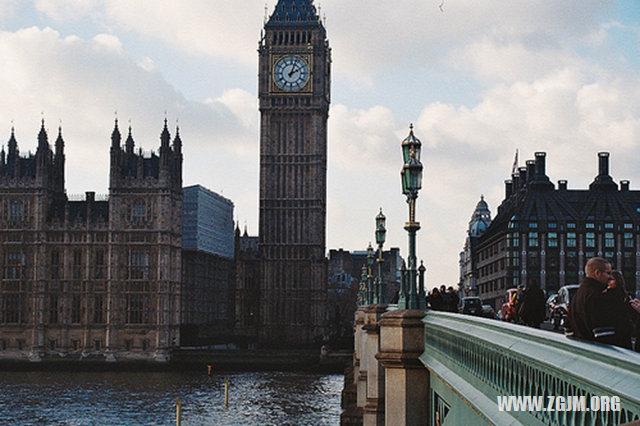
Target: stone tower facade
[
  {"x": 93, "y": 278},
  {"x": 294, "y": 88}
]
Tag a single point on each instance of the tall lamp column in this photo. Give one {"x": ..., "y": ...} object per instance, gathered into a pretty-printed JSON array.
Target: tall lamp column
[
  {"x": 381, "y": 287},
  {"x": 411, "y": 175},
  {"x": 362, "y": 293},
  {"x": 370, "y": 289}
]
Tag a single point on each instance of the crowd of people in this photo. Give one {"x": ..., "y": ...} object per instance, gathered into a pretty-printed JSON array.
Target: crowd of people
[
  {"x": 601, "y": 310},
  {"x": 443, "y": 299}
]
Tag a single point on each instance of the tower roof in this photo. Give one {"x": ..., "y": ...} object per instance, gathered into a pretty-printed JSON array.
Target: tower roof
[
  {"x": 481, "y": 218},
  {"x": 290, "y": 13}
]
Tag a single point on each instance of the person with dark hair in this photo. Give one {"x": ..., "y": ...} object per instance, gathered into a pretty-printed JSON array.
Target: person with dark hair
[
  {"x": 435, "y": 300},
  {"x": 635, "y": 304},
  {"x": 592, "y": 314},
  {"x": 619, "y": 298},
  {"x": 531, "y": 309},
  {"x": 445, "y": 298},
  {"x": 454, "y": 300}
]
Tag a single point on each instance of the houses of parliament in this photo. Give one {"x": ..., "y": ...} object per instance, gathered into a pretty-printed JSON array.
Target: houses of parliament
[
  {"x": 106, "y": 277},
  {"x": 97, "y": 276}
]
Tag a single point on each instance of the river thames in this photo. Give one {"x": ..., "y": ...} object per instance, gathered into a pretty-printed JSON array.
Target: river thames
[{"x": 149, "y": 398}]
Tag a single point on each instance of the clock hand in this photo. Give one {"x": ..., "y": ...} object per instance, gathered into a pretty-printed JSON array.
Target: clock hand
[{"x": 293, "y": 70}]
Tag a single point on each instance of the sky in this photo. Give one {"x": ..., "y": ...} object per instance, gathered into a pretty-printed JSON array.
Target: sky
[{"x": 478, "y": 80}]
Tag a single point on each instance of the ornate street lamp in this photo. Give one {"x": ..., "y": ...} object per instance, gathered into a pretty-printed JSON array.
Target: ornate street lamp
[
  {"x": 362, "y": 288},
  {"x": 411, "y": 175},
  {"x": 370, "y": 290},
  {"x": 381, "y": 288}
]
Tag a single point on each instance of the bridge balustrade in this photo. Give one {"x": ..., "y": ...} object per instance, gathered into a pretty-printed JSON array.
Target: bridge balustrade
[{"x": 450, "y": 369}]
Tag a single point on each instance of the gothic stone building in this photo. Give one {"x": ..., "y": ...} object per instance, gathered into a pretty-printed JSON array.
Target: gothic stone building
[
  {"x": 92, "y": 278},
  {"x": 548, "y": 233},
  {"x": 294, "y": 84}
]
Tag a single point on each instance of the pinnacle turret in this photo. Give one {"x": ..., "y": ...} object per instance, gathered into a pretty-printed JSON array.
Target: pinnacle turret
[{"x": 116, "y": 138}]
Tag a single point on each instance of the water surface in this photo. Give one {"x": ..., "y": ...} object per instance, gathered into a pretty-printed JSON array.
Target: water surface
[{"x": 125, "y": 398}]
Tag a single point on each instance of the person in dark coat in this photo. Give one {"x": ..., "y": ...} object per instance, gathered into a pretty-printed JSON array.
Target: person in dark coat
[
  {"x": 635, "y": 304},
  {"x": 592, "y": 315},
  {"x": 445, "y": 298},
  {"x": 435, "y": 300},
  {"x": 531, "y": 309},
  {"x": 454, "y": 300},
  {"x": 619, "y": 298}
]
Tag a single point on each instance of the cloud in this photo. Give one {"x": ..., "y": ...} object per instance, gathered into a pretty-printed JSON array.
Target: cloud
[
  {"x": 536, "y": 75},
  {"x": 362, "y": 137},
  {"x": 65, "y": 10},
  {"x": 415, "y": 35},
  {"x": 200, "y": 27},
  {"x": 83, "y": 82}
]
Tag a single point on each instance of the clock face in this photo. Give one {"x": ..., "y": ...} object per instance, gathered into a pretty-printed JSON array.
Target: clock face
[{"x": 291, "y": 73}]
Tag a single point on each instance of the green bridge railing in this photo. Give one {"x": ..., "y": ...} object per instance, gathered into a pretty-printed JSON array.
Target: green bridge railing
[{"x": 473, "y": 361}]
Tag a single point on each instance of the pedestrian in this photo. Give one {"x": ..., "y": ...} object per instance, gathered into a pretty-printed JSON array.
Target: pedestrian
[
  {"x": 445, "y": 298},
  {"x": 618, "y": 297},
  {"x": 635, "y": 304},
  {"x": 517, "y": 301},
  {"x": 454, "y": 300},
  {"x": 592, "y": 315},
  {"x": 435, "y": 300},
  {"x": 531, "y": 309}
]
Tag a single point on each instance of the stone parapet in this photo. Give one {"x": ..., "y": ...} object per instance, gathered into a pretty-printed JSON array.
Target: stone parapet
[
  {"x": 406, "y": 378},
  {"x": 374, "y": 406}
]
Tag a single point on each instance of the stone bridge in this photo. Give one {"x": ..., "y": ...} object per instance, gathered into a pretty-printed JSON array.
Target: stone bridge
[{"x": 412, "y": 367}]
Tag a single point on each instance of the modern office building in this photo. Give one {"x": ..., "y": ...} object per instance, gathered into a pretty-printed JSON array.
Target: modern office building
[
  {"x": 207, "y": 296},
  {"x": 207, "y": 222}
]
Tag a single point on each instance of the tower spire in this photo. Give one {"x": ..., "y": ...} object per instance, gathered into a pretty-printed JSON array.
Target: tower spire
[
  {"x": 165, "y": 138},
  {"x": 43, "y": 141},
  {"x": 115, "y": 135},
  {"x": 129, "y": 144}
]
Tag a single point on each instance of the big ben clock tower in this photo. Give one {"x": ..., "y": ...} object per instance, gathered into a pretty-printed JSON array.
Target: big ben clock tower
[{"x": 294, "y": 82}]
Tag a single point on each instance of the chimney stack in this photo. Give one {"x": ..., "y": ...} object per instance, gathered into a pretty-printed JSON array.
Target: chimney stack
[
  {"x": 540, "y": 165},
  {"x": 562, "y": 185},
  {"x": 531, "y": 169},
  {"x": 508, "y": 189},
  {"x": 603, "y": 163},
  {"x": 522, "y": 181}
]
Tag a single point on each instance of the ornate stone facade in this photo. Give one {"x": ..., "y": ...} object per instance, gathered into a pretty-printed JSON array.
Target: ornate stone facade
[
  {"x": 294, "y": 82},
  {"x": 96, "y": 278}
]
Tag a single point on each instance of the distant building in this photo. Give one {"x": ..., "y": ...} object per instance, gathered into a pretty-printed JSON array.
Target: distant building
[
  {"x": 98, "y": 277},
  {"x": 547, "y": 233},
  {"x": 207, "y": 222},
  {"x": 207, "y": 296},
  {"x": 480, "y": 221},
  {"x": 345, "y": 271},
  {"x": 247, "y": 289}
]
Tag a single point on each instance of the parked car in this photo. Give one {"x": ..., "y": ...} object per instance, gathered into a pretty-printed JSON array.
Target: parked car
[
  {"x": 508, "y": 311},
  {"x": 471, "y": 306},
  {"x": 488, "y": 311},
  {"x": 561, "y": 307}
]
